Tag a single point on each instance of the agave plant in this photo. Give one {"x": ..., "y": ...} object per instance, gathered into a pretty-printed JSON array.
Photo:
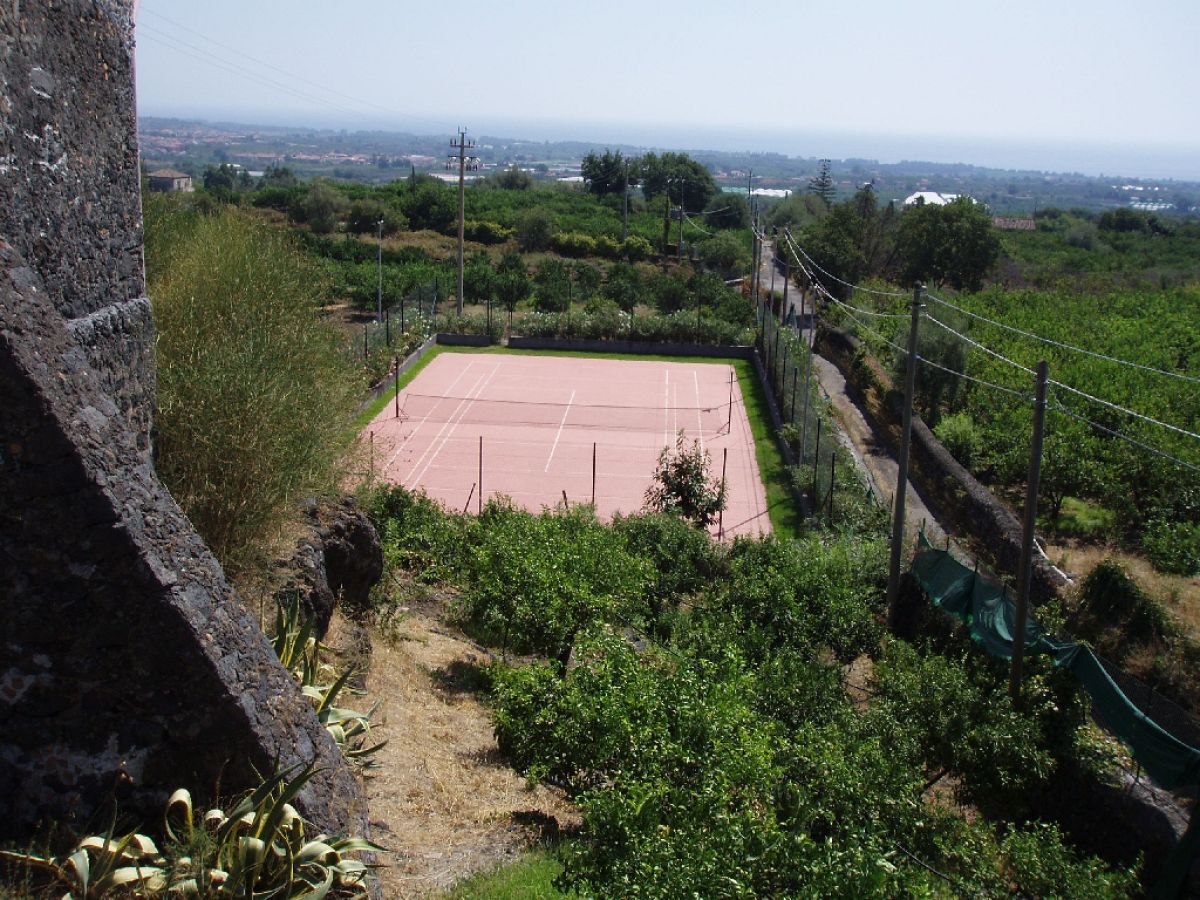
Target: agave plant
[
  {"x": 99, "y": 865},
  {"x": 259, "y": 849},
  {"x": 300, "y": 652}
]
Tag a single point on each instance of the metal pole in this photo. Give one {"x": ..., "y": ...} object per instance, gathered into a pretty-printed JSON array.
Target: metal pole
[
  {"x": 1025, "y": 569},
  {"x": 808, "y": 364},
  {"x": 910, "y": 382},
  {"x": 625, "y": 207},
  {"x": 594, "y": 447},
  {"x": 679, "y": 250},
  {"x": 379, "y": 286},
  {"x": 372, "y": 455},
  {"x": 832, "y": 475},
  {"x": 462, "y": 212},
  {"x": 816, "y": 458},
  {"x": 792, "y": 411},
  {"x": 481, "y": 474},
  {"x": 721, "y": 511},
  {"x": 397, "y": 398},
  {"x": 366, "y": 350},
  {"x": 387, "y": 326},
  {"x": 729, "y": 421}
]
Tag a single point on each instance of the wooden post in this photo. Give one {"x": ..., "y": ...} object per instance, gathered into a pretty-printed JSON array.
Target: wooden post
[
  {"x": 910, "y": 381},
  {"x": 1025, "y": 569}
]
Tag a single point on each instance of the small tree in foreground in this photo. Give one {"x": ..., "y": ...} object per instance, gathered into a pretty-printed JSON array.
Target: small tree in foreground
[{"x": 683, "y": 486}]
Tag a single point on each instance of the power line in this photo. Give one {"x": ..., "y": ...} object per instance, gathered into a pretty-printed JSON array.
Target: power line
[
  {"x": 987, "y": 350},
  {"x": 856, "y": 287},
  {"x": 1124, "y": 437},
  {"x": 1061, "y": 345},
  {"x": 1128, "y": 412},
  {"x": 241, "y": 55}
]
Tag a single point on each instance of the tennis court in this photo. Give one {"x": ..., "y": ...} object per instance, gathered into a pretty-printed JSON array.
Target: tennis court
[{"x": 538, "y": 428}]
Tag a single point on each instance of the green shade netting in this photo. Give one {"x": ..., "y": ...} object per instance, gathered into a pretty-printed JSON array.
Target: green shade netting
[{"x": 989, "y": 615}]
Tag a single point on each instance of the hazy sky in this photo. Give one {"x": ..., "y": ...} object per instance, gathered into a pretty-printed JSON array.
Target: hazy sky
[{"x": 1092, "y": 85}]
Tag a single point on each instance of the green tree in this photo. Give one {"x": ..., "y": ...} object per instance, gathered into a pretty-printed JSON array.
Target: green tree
[
  {"x": 728, "y": 211},
  {"x": 822, "y": 184},
  {"x": 535, "y": 228},
  {"x": 726, "y": 251},
  {"x": 552, "y": 286},
  {"x": 952, "y": 244},
  {"x": 429, "y": 204},
  {"x": 679, "y": 177},
  {"x": 604, "y": 174},
  {"x": 510, "y": 179},
  {"x": 365, "y": 214},
  {"x": 587, "y": 280},
  {"x": 278, "y": 177},
  {"x": 624, "y": 285},
  {"x": 683, "y": 486},
  {"x": 320, "y": 207}
]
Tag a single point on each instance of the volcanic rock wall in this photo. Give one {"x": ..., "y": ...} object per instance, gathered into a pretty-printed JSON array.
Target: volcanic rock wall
[{"x": 128, "y": 666}]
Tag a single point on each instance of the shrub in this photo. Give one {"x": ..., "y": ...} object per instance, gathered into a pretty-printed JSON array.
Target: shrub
[
  {"x": 255, "y": 394},
  {"x": 1173, "y": 547},
  {"x": 535, "y": 228},
  {"x": 607, "y": 247},
  {"x": 486, "y": 232},
  {"x": 682, "y": 484},
  {"x": 960, "y": 437},
  {"x": 573, "y": 244},
  {"x": 635, "y": 248}
]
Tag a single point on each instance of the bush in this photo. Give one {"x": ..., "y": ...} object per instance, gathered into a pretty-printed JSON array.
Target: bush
[
  {"x": 960, "y": 437},
  {"x": 573, "y": 244},
  {"x": 607, "y": 247},
  {"x": 486, "y": 232},
  {"x": 535, "y": 228},
  {"x": 1173, "y": 547},
  {"x": 635, "y": 248},
  {"x": 255, "y": 394}
]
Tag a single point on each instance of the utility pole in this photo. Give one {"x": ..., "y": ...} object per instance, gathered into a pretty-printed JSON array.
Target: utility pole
[
  {"x": 379, "y": 287},
  {"x": 679, "y": 251},
  {"x": 464, "y": 162},
  {"x": 625, "y": 207},
  {"x": 910, "y": 383},
  {"x": 1025, "y": 569}
]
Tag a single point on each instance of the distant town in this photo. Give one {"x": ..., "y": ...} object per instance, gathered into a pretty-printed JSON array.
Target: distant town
[{"x": 188, "y": 147}]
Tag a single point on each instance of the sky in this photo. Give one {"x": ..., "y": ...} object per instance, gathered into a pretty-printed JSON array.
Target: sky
[{"x": 1095, "y": 86}]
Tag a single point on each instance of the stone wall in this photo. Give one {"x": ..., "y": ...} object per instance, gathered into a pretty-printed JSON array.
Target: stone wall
[{"x": 128, "y": 667}]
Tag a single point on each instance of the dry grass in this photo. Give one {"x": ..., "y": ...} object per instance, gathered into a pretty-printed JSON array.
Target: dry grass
[
  {"x": 443, "y": 800},
  {"x": 1179, "y": 594}
]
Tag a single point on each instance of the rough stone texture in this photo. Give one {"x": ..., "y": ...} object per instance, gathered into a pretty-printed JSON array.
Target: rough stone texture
[
  {"x": 338, "y": 559},
  {"x": 127, "y": 665}
]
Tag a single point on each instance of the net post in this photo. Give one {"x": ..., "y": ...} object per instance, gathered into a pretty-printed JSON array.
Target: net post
[
  {"x": 832, "y": 474},
  {"x": 721, "y": 511},
  {"x": 480, "y": 474},
  {"x": 816, "y": 456},
  {"x": 729, "y": 421}
]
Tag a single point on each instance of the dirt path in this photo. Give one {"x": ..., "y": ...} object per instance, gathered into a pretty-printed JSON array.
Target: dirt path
[
  {"x": 442, "y": 800},
  {"x": 866, "y": 446}
]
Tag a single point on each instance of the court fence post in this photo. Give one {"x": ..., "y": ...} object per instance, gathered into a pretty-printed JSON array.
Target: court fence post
[
  {"x": 481, "y": 474},
  {"x": 397, "y": 396},
  {"x": 721, "y": 510},
  {"x": 593, "y": 476}
]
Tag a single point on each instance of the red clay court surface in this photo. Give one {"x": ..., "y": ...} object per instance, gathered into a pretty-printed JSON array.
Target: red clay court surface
[{"x": 539, "y": 418}]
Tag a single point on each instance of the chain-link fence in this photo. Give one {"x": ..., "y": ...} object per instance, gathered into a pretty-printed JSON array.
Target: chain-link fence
[{"x": 825, "y": 472}]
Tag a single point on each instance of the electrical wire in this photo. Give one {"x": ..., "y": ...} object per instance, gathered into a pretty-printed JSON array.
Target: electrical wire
[
  {"x": 834, "y": 277},
  {"x": 1063, "y": 346},
  {"x": 692, "y": 222},
  {"x": 1128, "y": 412},
  {"x": 976, "y": 344},
  {"x": 241, "y": 55},
  {"x": 1124, "y": 437}
]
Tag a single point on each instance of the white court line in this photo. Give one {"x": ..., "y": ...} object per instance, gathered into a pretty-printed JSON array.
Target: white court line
[
  {"x": 452, "y": 424},
  {"x": 561, "y": 425},
  {"x": 408, "y": 437}
]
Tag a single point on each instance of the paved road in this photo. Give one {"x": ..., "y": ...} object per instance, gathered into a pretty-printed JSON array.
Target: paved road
[{"x": 869, "y": 451}]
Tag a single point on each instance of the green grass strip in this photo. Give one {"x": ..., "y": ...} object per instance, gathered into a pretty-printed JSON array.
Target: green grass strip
[
  {"x": 529, "y": 878},
  {"x": 781, "y": 509}
]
